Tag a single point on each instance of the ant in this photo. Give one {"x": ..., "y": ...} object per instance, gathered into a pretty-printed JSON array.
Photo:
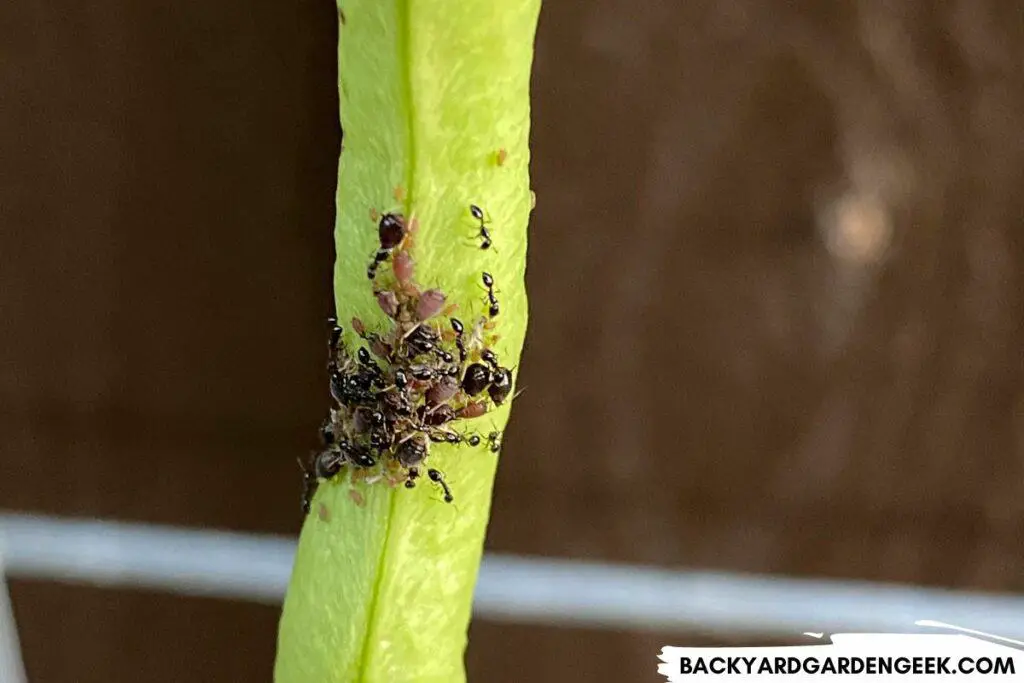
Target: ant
[
  {"x": 327, "y": 464},
  {"x": 309, "y": 486},
  {"x": 336, "y": 331},
  {"x": 494, "y": 441},
  {"x": 378, "y": 258},
  {"x": 438, "y": 478},
  {"x": 410, "y": 480},
  {"x": 476, "y": 379},
  {"x": 391, "y": 230},
  {"x": 485, "y": 236},
  {"x": 459, "y": 329},
  {"x": 489, "y": 284},
  {"x": 501, "y": 385}
]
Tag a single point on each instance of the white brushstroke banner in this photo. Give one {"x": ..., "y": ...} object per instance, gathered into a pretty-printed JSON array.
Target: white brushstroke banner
[{"x": 851, "y": 657}]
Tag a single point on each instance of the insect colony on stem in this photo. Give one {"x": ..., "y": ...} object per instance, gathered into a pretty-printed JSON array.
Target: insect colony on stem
[{"x": 411, "y": 384}]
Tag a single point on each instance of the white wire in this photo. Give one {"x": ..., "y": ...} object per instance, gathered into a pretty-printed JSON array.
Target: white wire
[
  {"x": 530, "y": 590},
  {"x": 12, "y": 668}
]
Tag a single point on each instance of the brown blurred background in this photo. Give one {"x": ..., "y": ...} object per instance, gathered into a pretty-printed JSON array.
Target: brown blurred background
[{"x": 775, "y": 278}]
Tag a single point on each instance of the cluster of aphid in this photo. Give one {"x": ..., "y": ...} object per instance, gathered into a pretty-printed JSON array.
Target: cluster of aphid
[{"x": 410, "y": 385}]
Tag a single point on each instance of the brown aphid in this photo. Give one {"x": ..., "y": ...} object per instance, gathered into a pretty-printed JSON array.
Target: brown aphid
[
  {"x": 442, "y": 391},
  {"x": 412, "y": 452},
  {"x": 357, "y": 498},
  {"x": 403, "y": 266},
  {"x": 379, "y": 348},
  {"x": 430, "y": 304},
  {"x": 501, "y": 156},
  {"x": 399, "y": 194},
  {"x": 388, "y": 302},
  {"x": 359, "y": 327},
  {"x": 374, "y": 215},
  {"x": 533, "y": 200},
  {"x": 473, "y": 409},
  {"x": 324, "y": 513},
  {"x": 439, "y": 415}
]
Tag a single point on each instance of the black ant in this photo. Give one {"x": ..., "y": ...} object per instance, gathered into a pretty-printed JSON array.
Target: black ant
[
  {"x": 309, "y": 486},
  {"x": 379, "y": 257},
  {"x": 327, "y": 464},
  {"x": 438, "y": 479},
  {"x": 459, "y": 330},
  {"x": 490, "y": 358},
  {"x": 484, "y": 235},
  {"x": 501, "y": 385},
  {"x": 332, "y": 345},
  {"x": 476, "y": 379},
  {"x": 391, "y": 230},
  {"x": 410, "y": 478},
  {"x": 489, "y": 284},
  {"x": 494, "y": 441}
]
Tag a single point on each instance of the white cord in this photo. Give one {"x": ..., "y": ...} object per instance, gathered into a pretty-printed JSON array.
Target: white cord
[{"x": 527, "y": 590}]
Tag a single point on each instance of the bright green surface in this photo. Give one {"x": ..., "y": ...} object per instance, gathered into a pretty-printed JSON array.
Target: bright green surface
[{"x": 431, "y": 90}]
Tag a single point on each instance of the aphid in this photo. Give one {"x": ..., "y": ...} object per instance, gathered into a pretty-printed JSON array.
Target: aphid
[
  {"x": 359, "y": 327},
  {"x": 323, "y": 512},
  {"x": 444, "y": 355},
  {"x": 485, "y": 237},
  {"x": 388, "y": 302},
  {"x": 412, "y": 451},
  {"x": 403, "y": 266},
  {"x": 379, "y": 257},
  {"x": 459, "y": 329},
  {"x": 401, "y": 380},
  {"x": 327, "y": 464},
  {"x": 364, "y": 356},
  {"x": 493, "y": 310},
  {"x": 430, "y": 304},
  {"x": 473, "y": 409},
  {"x": 391, "y": 230},
  {"x": 473, "y": 440},
  {"x": 476, "y": 379},
  {"x": 439, "y": 415},
  {"x": 501, "y": 156},
  {"x": 438, "y": 479},
  {"x": 494, "y": 441},
  {"x": 397, "y": 404},
  {"x": 379, "y": 348},
  {"x": 501, "y": 385},
  {"x": 442, "y": 391}
]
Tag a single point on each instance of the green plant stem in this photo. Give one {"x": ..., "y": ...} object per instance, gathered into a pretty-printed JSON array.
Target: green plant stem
[{"x": 435, "y": 109}]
